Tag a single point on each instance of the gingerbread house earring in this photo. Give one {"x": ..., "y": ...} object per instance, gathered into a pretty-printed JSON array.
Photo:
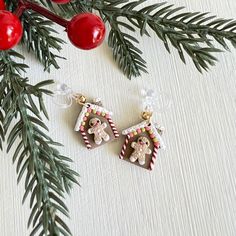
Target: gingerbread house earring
[
  {"x": 143, "y": 140},
  {"x": 94, "y": 122}
]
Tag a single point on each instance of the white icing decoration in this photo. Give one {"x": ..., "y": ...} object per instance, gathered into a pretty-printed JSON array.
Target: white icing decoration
[
  {"x": 84, "y": 111},
  {"x": 135, "y": 127},
  {"x": 143, "y": 125}
]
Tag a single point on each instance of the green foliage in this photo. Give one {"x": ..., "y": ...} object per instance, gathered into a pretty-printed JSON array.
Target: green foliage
[
  {"x": 48, "y": 175},
  {"x": 38, "y": 38},
  {"x": 124, "y": 50},
  {"x": 190, "y": 33}
]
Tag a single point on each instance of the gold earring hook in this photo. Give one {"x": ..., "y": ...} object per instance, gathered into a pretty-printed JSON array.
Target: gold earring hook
[
  {"x": 147, "y": 115},
  {"x": 80, "y": 99}
]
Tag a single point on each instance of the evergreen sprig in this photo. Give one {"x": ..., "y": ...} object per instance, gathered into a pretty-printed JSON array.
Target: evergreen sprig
[
  {"x": 124, "y": 50},
  {"x": 38, "y": 38},
  {"x": 48, "y": 175},
  {"x": 191, "y": 33}
]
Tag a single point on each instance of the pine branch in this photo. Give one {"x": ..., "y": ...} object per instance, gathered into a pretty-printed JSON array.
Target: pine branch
[
  {"x": 190, "y": 33},
  {"x": 5, "y": 90},
  {"x": 39, "y": 40},
  {"x": 2, "y": 114},
  {"x": 47, "y": 174},
  {"x": 125, "y": 53},
  {"x": 2, "y": 135},
  {"x": 38, "y": 37}
]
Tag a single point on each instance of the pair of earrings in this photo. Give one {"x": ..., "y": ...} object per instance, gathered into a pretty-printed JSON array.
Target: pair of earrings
[{"x": 95, "y": 124}]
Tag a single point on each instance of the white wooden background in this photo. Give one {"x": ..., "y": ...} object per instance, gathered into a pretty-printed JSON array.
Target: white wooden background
[{"x": 191, "y": 192}]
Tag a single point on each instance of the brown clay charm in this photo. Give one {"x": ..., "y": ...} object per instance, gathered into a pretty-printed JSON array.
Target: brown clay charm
[
  {"x": 141, "y": 144},
  {"x": 96, "y": 125}
]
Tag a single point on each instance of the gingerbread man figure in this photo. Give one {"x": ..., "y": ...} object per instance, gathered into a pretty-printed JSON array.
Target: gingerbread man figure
[
  {"x": 141, "y": 148},
  {"x": 97, "y": 128}
]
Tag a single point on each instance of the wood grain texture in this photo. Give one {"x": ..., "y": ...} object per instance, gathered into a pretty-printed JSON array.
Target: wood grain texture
[{"x": 192, "y": 191}]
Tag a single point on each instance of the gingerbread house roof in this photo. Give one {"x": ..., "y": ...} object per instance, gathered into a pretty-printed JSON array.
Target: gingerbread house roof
[
  {"x": 92, "y": 107},
  {"x": 144, "y": 125}
]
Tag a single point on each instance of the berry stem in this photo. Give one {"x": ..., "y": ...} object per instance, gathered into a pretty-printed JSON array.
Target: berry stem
[
  {"x": 25, "y": 4},
  {"x": 20, "y": 8}
]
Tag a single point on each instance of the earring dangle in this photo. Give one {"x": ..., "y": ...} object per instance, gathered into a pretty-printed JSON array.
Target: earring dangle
[
  {"x": 94, "y": 122},
  {"x": 143, "y": 140}
]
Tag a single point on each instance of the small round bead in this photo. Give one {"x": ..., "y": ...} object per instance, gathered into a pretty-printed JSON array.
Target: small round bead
[
  {"x": 155, "y": 140},
  {"x": 103, "y": 114},
  {"x": 143, "y": 129},
  {"x": 86, "y": 114},
  {"x": 85, "y": 118},
  {"x": 152, "y": 136},
  {"x": 107, "y": 116},
  {"x": 82, "y": 128},
  {"x": 135, "y": 133},
  {"x": 148, "y": 128},
  {"x": 89, "y": 110},
  {"x": 83, "y": 123},
  {"x": 98, "y": 113},
  {"x": 131, "y": 135},
  {"x": 139, "y": 131}
]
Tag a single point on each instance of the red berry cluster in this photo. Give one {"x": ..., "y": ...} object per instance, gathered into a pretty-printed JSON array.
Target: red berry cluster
[{"x": 85, "y": 31}]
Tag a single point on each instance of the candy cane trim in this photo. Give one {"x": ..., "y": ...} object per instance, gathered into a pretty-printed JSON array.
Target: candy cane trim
[
  {"x": 85, "y": 138},
  {"x": 122, "y": 154},
  {"x": 154, "y": 157},
  {"x": 113, "y": 127}
]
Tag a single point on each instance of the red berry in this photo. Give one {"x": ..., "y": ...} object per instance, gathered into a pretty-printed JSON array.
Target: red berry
[
  {"x": 10, "y": 31},
  {"x": 2, "y": 5},
  {"x": 86, "y": 31},
  {"x": 61, "y": 1}
]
